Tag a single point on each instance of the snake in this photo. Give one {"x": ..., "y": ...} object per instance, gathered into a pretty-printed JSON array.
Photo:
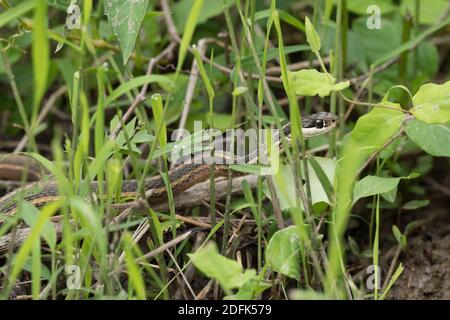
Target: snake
[{"x": 181, "y": 178}]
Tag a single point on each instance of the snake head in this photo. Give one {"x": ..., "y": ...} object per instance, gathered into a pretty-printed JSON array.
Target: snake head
[
  {"x": 322, "y": 121},
  {"x": 315, "y": 124}
]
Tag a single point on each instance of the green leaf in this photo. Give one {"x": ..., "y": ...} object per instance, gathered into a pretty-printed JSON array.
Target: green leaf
[
  {"x": 312, "y": 36},
  {"x": 353, "y": 246},
  {"x": 249, "y": 290},
  {"x": 17, "y": 11},
  {"x": 160, "y": 124},
  {"x": 360, "y": 6},
  {"x": 134, "y": 83},
  {"x": 394, "y": 278},
  {"x": 285, "y": 186},
  {"x": 30, "y": 215},
  {"x": 286, "y": 17},
  {"x": 59, "y": 4},
  {"x": 372, "y": 185},
  {"x": 201, "y": 69},
  {"x": 256, "y": 169},
  {"x": 370, "y": 133},
  {"x": 45, "y": 272},
  {"x": 432, "y": 103},
  {"x": 401, "y": 239},
  {"x": 415, "y": 204},
  {"x": 136, "y": 281},
  {"x": 272, "y": 53},
  {"x": 323, "y": 178},
  {"x": 309, "y": 82},
  {"x": 372, "y": 130},
  {"x": 227, "y": 272},
  {"x": 56, "y": 171},
  {"x": 429, "y": 12},
  {"x": 214, "y": 8},
  {"x": 40, "y": 53},
  {"x": 309, "y": 294},
  {"x": 125, "y": 18},
  {"x": 24, "y": 251},
  {"x": 98, "y": 164},
  {"x": 239, "y": 90},
  {"x": 142, "y": 136},
  {"x": 192, "y": 21},
  {"x": 432, "y": 138},
  {"x": 283, "y": 252}
]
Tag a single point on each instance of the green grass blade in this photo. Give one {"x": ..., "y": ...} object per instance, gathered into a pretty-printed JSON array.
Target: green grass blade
[
  {"x": 16, "y": 12},
  {"x": 40, "y": 54},
  {"x": 189, "y": 31}
]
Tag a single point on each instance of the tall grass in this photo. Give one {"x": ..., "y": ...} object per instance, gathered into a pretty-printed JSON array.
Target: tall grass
[{"x": 100, "y": 246}]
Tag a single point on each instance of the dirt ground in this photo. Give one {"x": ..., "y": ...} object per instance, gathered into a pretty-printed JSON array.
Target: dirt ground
[{"x": 427, "y": 263}]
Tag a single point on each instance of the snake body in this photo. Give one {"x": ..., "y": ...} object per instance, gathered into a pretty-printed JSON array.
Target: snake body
[{"x": 180, "y": 178}]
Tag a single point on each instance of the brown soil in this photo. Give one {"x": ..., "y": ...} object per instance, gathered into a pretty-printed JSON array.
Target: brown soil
[{"x": 427, "y": 263}]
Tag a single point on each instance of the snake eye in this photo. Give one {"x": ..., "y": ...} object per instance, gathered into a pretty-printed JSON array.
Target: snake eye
[{"x": 319, "y": 124}]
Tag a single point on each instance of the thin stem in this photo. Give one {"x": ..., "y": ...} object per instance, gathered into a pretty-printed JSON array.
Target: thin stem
[{"x": 19, "y": 102}]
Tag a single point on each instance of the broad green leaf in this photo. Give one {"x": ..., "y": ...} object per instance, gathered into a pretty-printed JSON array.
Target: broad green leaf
[
  {"x": 134, "y": 83},
  {"x": 322, "y": 176},
  {"x": 372, "y": 130},
  {"x": 312, "y": 36},
  {"x": 283, "y": 252},
  {"x": 432, "y": 138},
  {"x": 430, "y": 11},
  {"x": 285, "y": 186},
  {"x": 432, "y": 103},
  {"x": 250, "y": 289},
  {"x": 360, "y": 6},
  {"x": 309, "y": 82},
  {"x": 227, "y": 272},
  {"x": 372, "y": 185},
  {"x": 125, "y": 18},
  {"x": 214, "y": 8},
  {"x": 142, "y": 136},
  {"x": 45, "y": 272}
]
